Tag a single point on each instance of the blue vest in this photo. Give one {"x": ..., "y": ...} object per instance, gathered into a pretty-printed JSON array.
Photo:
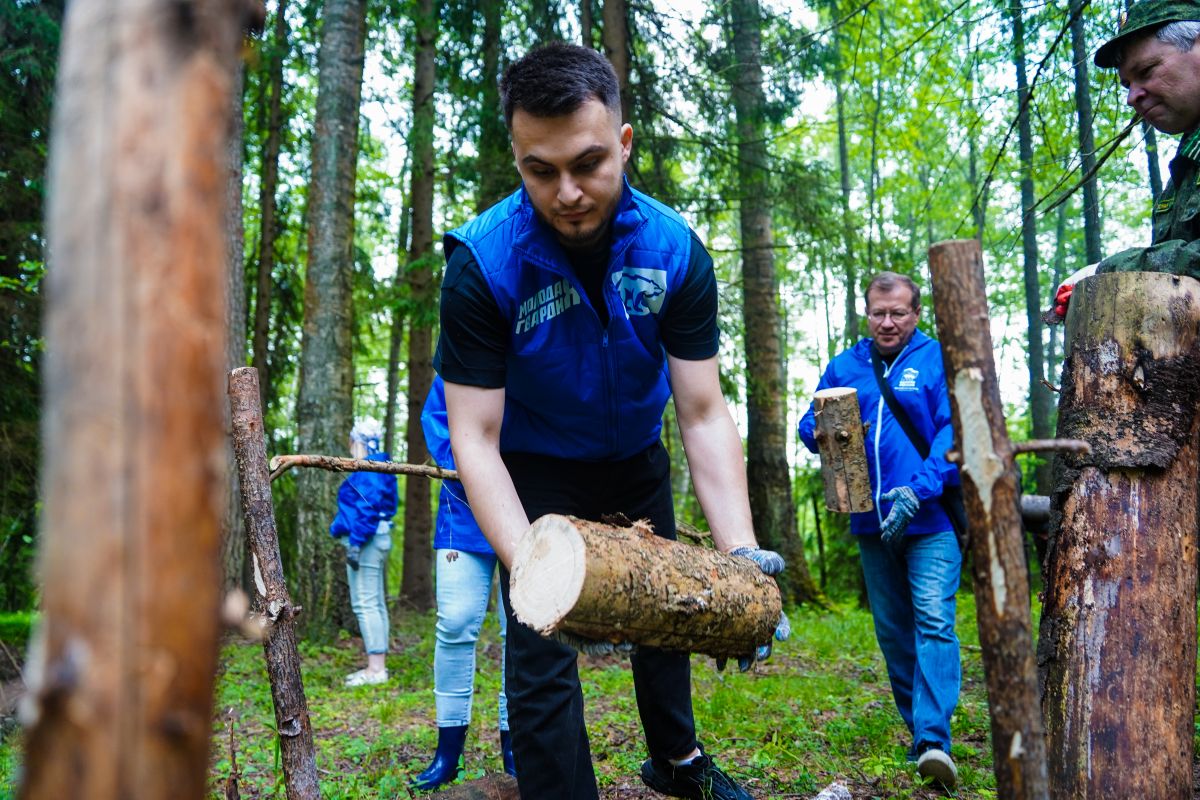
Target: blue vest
[{"x": 575, "y": 389}]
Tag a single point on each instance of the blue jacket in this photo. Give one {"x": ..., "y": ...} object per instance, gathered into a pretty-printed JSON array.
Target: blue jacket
[
  {"x": 575, "y": 389},
  {"x": 456, "y": 525},
  {"x": 918, "y": 380},
  {"x": 364, "y": 500}
]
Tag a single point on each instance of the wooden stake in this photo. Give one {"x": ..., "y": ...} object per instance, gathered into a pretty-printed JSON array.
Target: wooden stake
[
  {"x": 121, "y": 667},
  {"x": 281, "y": 464},
  {"x": 839, "y": 435},
  {"x": 1118, "y": 633},
  {"x": 271, "y": 598},
  {"x": 991, "y": 491},
  {"x": 627, "y": 585}
]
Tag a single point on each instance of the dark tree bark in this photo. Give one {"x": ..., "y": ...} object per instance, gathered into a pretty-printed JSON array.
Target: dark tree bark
[
  {"x": 120, "y": 678},
  {"x": 272, "y": 602},
  {"x": 1080, "y": 55},
  {"x": 991, "y": 491},
  {"x": 266, "y": 202},
  {"x": 587, "y": 24},
  {"x": 771, "y": 502},
  {"x": 416, "y": 587},
  {"x": 324, "y": 405},
  {"x": 1040, "y": 402},
  {"x": 1118, "y": 634},
  {"x": 497, "y": 176},
  {"x": 399, "y": 317},
  {"x": 849, "y": 264},
  {"x": 615, "y": 38}
]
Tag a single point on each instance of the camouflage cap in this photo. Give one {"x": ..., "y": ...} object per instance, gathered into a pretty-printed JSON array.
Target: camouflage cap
[{"x": 1144, "y": 18}]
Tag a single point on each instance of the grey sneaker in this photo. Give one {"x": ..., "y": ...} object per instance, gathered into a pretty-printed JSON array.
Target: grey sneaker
[
  {"x": 699, "y": 780},
  {"x": 938, "y": 765},
  {"x": 367, "y": 678}
]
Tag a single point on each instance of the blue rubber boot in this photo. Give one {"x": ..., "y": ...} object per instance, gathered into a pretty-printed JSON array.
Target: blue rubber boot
[
  {"x": 444, "y": 767},
  {"x": 510, "y": 764}
]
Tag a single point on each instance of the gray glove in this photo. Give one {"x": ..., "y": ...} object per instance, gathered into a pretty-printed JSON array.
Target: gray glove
[
  {"x": 591, "y": 647},
  {"x": 770, "y": 562},
  {"x": 352, "y": 553},
  {"x": 904, "y": 507}
]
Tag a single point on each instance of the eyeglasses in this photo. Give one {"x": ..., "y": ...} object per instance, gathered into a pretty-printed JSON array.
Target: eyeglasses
[{"x": 897, "y": 316}]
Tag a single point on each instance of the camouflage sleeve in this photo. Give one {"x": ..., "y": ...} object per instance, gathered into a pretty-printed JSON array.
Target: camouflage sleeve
[{"x": 1176, "y": 256}]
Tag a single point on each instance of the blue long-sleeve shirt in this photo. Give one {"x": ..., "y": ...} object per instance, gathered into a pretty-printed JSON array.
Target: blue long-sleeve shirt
[{"x": 364, "y": 500}]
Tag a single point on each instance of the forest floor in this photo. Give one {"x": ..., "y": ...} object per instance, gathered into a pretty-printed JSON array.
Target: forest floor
[{"x": 819, "y": 711}]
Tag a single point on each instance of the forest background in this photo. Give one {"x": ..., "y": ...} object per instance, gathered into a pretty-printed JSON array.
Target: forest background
[{"x": 810, "y": 145}]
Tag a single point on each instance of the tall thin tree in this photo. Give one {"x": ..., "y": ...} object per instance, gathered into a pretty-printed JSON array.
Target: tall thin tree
[
  {"x": 615, "y": 38},
  {"x": 1087, "y": 141},
  {"x": 497, "y": 176},
  {"x": 325, "y": 403}
]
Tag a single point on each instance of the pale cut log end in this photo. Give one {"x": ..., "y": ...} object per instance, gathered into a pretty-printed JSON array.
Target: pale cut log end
[
  {"x": 547, "y": 573},
  {"x": 836, "y": 391}
]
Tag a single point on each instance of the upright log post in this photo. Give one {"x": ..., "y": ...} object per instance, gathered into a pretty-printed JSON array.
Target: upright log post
[
  {"x": 1118, "y": 632},
  {"x": 990, "y": 491},
  {"x": 839, "y": 434},
  {"x": 271, "y": 598},
  {"x": 121, "y": 671}
]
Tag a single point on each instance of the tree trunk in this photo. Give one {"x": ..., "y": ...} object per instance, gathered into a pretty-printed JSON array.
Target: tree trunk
[
  {"x": 271, "y": 599},
  {"x": 1040, "y": 403},
  {"x": 617, "y": 584},
  {"x": 587, "y": 24},
  {"x": 991, "y": 490},
  {"x": 120, "y": 676},
  {"x": 1087, "y": 144},
  {"x": 399, "y": 316},
  {"x": 416, "y": 587},
  {"x": 771, "y": 502},
  {"x": 1155, "y": 175},
  {"x": 545, "y": 17},
  {"x": 615, "y": 38},
  {"x": 1118, "y": 635},
  {"x": 266, "y": 203},
  {"x": 497, "y": 178},
  {"x": 843, "y": 454},
  {"x": 849, "y": 265},
  {"x": 324, "y": 405}
]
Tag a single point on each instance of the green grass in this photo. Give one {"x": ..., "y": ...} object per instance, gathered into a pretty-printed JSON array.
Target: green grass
[{"x": 819, "y": 710}]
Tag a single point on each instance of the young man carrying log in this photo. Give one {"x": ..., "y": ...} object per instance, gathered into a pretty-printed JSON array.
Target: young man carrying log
[
  {"x": 571, "y": 311},
  {"x": 910, "y": 554},
  {"x": 1154, "y": 51}
]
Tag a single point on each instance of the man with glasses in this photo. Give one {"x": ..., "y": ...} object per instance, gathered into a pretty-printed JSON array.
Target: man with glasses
[{"x": 910, "y": 555}]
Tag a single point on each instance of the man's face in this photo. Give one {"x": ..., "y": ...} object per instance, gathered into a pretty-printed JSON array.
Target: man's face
[
  {"x": 573, "y": 167},
  {"x": 891, "y": 318},
  {"x": 1163, "y": 83}
]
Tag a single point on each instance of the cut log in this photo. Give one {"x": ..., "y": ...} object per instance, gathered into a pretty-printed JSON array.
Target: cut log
[
  {"x": 1118, "y": 635},
  {"x": 618, "y": 584},
  {"x": 839, "y": 435},
  {"x": 490, "y": 787},
  {"x": 991, "y": 494},
  {"x": 271, "y": 598}
]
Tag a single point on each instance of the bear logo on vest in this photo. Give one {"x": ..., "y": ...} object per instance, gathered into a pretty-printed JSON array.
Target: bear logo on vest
[{"x": 642, "y": 290}]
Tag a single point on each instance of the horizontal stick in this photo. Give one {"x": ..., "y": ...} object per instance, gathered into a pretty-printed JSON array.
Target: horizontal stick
[
  {"x": 1048, "y": 445},
  {"x": 281, "y": 464}
]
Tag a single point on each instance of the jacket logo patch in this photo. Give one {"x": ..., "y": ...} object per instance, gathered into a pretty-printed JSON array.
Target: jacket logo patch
[
  {"x": 642, "y": 290},
  {"x": 545, "y": 305},
  {"x": 1164, "y": 205},
  {"x": 908, "y": 380}
]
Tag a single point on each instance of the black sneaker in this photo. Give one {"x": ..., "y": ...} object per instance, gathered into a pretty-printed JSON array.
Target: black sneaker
[{"x": 699, "y": 780}]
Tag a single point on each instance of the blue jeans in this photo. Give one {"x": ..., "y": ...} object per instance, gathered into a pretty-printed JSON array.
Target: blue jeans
[
  {"x": 464, "y": 582},
  {"x": 368, "y": 595},
  {"x": 912, "y": 601}
]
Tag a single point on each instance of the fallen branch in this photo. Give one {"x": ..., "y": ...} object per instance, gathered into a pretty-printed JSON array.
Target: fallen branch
[
  {"x": 1052, "y": 445},
  {"x": 281, "y": 464}
]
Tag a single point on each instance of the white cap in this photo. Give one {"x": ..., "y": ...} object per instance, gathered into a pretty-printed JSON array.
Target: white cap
[{"x": 369, "y": 432}]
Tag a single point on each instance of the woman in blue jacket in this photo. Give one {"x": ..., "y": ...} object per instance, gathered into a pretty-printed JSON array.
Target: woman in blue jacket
[
  {"x": 465, "y": 564},
  {"x": 366, "y": 504}
]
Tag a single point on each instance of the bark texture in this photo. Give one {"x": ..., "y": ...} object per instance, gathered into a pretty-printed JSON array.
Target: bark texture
[
  {"x": 615, "y": 40},
  {"x": 1118, "y": 637},
  {"x": 619, "y": 584},
  {"x": 271, "y": 598},
  {"x": 324, "y": 405},
  {"x": 991, "y": 489},
  {"x": 843, "y": 454},
  {"x": 120, "y": 673}
]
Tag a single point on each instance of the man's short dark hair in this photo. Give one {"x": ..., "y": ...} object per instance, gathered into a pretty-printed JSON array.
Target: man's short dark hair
[
  {"x": 554, "y": 80},
  {"x": 886, "y": 281}
]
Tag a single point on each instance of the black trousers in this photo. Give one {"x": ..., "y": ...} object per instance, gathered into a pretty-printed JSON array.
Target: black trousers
[{"x": 545, "y": 701}]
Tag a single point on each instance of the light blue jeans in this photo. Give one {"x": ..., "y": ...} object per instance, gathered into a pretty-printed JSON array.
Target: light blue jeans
[
  {"x": 912, "y": 600},
  {"x": 464, "y": 583},
  {"x": 368, "y": 593}
]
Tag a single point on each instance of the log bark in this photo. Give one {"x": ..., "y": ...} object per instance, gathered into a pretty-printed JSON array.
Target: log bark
[
  {"x": 843, "y": 454},
  {"x": 120, "y": 673},
  {"x": 281, "y": 464},
  {"x": 619, "y": 584},
  {"x": 991, "y": 491},
  {"x": 1118, "y": 636},
  {"x": 271, "y": 598},
  {"x": 491, "y": 787}
]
